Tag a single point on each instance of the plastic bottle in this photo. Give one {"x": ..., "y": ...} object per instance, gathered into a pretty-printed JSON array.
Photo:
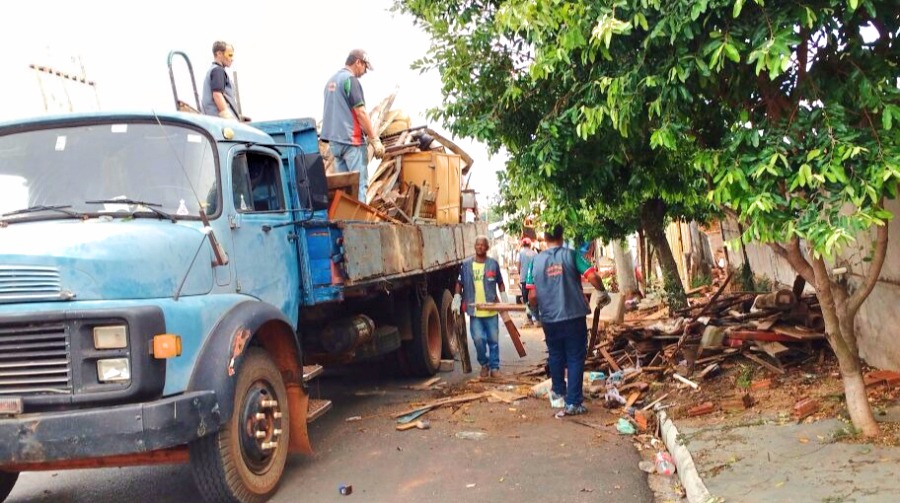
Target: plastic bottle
[{"x": 664, "y": 463}]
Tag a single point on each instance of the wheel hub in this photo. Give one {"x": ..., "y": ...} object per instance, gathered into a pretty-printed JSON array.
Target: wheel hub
[{"x": 262, "y": 428}]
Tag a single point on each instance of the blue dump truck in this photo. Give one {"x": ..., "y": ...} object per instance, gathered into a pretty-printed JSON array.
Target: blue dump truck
[{"x": 169, "y": 283}]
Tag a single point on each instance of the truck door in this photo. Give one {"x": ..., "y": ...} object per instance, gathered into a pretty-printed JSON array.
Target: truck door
[{"x": 264, "y": 247}]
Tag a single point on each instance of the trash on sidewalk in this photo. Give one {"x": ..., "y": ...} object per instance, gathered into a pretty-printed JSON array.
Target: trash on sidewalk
[
  {"x": 625, "y": 427},
  {"x": 422, "y": 424},
  {"x": 663, "y": 463},
  {"x": 471, "y": 435}
]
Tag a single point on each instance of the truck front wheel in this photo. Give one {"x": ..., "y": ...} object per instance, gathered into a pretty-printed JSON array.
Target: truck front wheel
[
  {"x": 424, "y": 351},
  {"x": 7, "y": 482},
  {"x": 244, "y": 461}
]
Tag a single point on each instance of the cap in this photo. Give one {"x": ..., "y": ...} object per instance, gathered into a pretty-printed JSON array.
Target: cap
[
  {"x": 526, "y": 241},
  {"x": 361, "y": 54}
]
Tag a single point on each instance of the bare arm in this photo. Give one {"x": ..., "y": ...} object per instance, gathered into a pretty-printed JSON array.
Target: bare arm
[
  {"x": 220, "y": 102},
  {"x": 595, "y": 280},
  {"x": 365, "y": 121}
]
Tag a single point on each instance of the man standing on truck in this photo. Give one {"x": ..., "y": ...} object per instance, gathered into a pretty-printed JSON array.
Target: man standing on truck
[
  {"x": 526, "y": 256},
  {"x": 555, "y": 280},
  {"x": 218, "y": 92},
  {"x": 345, "y": 120},
  {"x": 479, "y": 279}
]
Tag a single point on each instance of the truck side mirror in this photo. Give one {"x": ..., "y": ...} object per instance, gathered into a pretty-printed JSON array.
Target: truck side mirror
[{"x": 312, "y": 186}]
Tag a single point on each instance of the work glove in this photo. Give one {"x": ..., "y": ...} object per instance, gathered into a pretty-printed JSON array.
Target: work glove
[
  {"x": 377, "y": 147},
  {"x": 504, "y": 298},
  {"x": 456, "y": 305},
  {"x": 226, "y": 114},
  {"x": 603, "y": 298}
]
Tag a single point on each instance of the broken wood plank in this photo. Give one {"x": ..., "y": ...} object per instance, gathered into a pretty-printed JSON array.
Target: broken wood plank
[
  {"x": 444, "y": 401},
  {"x": 797, "y": 333},
  {"x": 654, "y": 402},
  {"x": 759, "y": 335},
  {"x": 632, "y": 398},
  {"x": 686, "y": 381},
  {"x": 773, "y": 349},
  {"x": 609, "y": 359},
  {"x": 764, "y": 363}
]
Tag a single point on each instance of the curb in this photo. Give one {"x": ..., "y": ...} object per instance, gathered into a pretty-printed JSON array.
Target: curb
[{"x": 695, "y": 490}]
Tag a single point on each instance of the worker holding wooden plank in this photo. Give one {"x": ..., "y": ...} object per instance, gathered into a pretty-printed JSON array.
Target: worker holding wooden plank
[
  {"x": 479, "y": 280},
  {"x": 555, "y": 280}
]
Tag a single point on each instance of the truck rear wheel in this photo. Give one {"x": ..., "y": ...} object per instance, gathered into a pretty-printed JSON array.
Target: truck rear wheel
[
  {"x": 7, "y": 482},
  {"x": 244, "y": 461},
  {"x": 424, "y": 351},
  {"x": 449, "y": 341}
]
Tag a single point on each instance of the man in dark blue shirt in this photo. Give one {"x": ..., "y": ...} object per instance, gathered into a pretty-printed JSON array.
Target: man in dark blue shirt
[
  {"x": 555, "y": 282},
  {"x": 218, "y": 92}
]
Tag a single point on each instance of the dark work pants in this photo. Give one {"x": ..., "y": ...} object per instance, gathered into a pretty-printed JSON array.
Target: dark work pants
[{"x": 567, "y": 344}]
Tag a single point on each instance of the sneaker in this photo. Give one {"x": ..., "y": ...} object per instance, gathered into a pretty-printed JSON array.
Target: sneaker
[
  {"x": 572, "y": 410},
  {"x": 485, "y": 371},
  {"x": 496, "y": 373},
  {"x": 528, "y": 324}
]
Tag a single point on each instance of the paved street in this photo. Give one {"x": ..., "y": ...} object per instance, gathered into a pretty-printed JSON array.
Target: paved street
[{"x": 527, "y": 454}]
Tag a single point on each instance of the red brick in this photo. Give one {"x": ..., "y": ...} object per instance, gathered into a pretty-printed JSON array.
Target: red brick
[
  {"x": 761, "y": 384},
  {"x": 804, "y": 408},
  {"x": 703, "y": 408}
]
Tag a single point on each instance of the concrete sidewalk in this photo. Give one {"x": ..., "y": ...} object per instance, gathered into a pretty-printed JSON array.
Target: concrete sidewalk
[{"x": 770, "y": 462}]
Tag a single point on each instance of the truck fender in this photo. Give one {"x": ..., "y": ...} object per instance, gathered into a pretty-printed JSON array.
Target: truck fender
[{"x": 247, "y": 323}]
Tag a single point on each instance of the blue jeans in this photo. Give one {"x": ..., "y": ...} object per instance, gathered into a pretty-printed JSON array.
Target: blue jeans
[
  {"x": 567, "y": 345},
  {"x": 485, "y": 334},
  {"x": 349, "y": 158}
]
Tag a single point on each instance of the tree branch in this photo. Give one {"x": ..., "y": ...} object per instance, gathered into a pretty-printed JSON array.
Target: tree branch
[
  {"x": 795, "y": 257},
  {"x": 871, "y": 278}
]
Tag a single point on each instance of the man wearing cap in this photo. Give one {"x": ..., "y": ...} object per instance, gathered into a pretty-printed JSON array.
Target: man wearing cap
[
  {"x": 526, "y": 256},
  {"x": 345, "y": 120}
]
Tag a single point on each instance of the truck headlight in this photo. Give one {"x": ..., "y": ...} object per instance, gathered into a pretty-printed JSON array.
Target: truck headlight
[
  {"x": 111, "y": 337},
  {"x": 113, "y": 370}
]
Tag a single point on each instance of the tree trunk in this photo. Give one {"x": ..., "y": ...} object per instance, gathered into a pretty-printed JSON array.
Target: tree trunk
[
  {"x": 652, "y": 221},
  {"x": 624, "y": 269},
  {"x": 841, "y": 335}
]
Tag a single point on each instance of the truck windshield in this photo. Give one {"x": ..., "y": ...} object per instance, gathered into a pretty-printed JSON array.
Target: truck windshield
[{"x": 169, "y": 166}]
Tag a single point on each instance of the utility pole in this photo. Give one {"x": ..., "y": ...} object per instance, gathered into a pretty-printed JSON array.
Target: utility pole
[{"x": 62, "y": 78}]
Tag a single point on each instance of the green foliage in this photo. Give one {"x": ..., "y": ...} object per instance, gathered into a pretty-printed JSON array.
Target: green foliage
[
  {"x": 701, "y": 280},
  {"x": 744, "y": 377}
]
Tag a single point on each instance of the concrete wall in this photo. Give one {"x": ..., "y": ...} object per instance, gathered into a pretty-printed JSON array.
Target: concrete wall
[{"x": 878, "y": 321}]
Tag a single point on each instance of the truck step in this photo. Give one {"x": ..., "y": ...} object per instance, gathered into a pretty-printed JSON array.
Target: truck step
[
  {"x": 317, "y": 408},
  {"x": 310, "y": 372}
]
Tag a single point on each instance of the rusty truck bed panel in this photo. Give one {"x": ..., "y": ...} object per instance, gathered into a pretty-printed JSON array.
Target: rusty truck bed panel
[{"x": 380, "y": 251}]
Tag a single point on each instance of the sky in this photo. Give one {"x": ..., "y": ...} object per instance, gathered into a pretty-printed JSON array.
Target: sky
[{"x": 284, "y": 53}]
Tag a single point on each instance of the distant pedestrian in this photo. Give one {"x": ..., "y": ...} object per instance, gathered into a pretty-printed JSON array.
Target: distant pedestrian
[
  {"x": 526, "y": 256},
  {"x": 479, "y": 280},
  {"x": 218, "y": 91},
  {"x": 345, "y": 120},
  {"x": 555, "y": 281}
]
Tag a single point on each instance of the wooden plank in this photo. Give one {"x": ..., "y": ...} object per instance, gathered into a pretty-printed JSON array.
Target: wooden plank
[
  {"x": 445, "y": 401},
  {"x": 344, "y": 207},
  {"x": 513, "y": 333},
  {"x": 797, "y": 333},
  {"x": 499, "y": 306},
  {"x": 759, "y": 335},
  {"x": 764, "y": 363},
  {"x": 609, "y": 359},
  {"x": 773, "y": 349}
]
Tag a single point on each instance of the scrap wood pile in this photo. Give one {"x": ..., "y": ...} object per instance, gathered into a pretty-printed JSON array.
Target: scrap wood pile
[
  {"x": 430, "y": 181},
  {"x": 774, "y": 330}
]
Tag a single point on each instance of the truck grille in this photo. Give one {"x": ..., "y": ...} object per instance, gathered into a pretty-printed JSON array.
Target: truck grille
[
  {"x": 34, "y": 359},
  {"x": 22, "y": 283}
]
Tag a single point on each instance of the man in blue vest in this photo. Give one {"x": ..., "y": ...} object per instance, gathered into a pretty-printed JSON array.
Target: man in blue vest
[
  {"x": 555, "y": 282},
  {"x": 526, "y": 256},
  {"x": 345, "y": 120},
  {"x": 479, "y": 279}
]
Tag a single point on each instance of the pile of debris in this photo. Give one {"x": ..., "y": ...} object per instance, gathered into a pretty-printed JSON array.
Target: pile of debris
[{"x": 419, "y": 178}]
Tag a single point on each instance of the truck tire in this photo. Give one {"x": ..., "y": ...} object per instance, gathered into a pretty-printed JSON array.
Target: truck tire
[
  {"x": 424, "y": 351},
  {"x": 7, "y": 482},
  {"x": 449, "y": 342},
  {"x": 233, "y": 465}
]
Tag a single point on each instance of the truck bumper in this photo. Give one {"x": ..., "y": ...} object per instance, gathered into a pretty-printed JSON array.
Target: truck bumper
[{"x": 108, "y": 431}]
